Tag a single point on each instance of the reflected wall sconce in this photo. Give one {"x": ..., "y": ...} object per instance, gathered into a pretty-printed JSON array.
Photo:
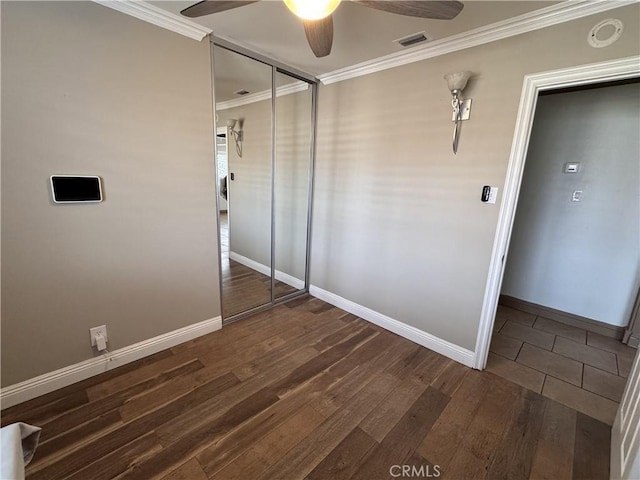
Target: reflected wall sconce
[
  {"x": 461, "y": 108},
  {"x": 238, "y": 135}
]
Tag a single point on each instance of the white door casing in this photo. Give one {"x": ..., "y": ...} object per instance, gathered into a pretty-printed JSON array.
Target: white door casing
[{"x": 533, "y": 84}]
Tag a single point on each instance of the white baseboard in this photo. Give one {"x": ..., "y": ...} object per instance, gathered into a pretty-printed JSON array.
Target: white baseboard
[
  {"x": 259, "y": 267},
  {"x": 34, "y": 387},
  {"x": 448, "y": 349}
]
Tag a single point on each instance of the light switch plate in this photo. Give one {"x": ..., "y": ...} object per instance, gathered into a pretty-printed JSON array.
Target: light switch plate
[{"x": 493, "y": 194}]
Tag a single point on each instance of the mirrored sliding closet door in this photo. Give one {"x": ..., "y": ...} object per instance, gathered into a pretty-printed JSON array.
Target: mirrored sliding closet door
[{"x": 264, "y": 144}]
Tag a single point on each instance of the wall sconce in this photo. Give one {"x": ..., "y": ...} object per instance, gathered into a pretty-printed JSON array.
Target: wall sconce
[
  {"x": 238, "y": 135},
  {"x": 461, "y": 108}
]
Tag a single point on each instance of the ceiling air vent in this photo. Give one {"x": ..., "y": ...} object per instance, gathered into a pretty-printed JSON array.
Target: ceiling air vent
[
  {"x": 242, "y": 92},
  {"x": 412, "y": 39}
]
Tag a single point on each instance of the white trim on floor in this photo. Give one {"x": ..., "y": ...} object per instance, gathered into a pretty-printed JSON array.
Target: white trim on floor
[
  {"x": 34, "y": 387},
  {"x": 265, "y": 270},
  {"x": 612, "y": 70},
  {"x": 448, "y": 349}
]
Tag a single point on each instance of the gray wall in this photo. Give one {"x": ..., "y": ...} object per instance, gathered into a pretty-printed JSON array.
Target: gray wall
[
  {"x": 250, "y": 192},
  {"x": 87, "y": 90},
  {"x": 398, "y": 223},
  {"x": 580, "y": 257},
  {"x": 293, "y": 138}
]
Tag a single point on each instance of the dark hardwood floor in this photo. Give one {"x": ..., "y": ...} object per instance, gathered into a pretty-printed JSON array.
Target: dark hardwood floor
[
  {"x": 306, "y": 390},
  {"x": 242, "y": 287}
]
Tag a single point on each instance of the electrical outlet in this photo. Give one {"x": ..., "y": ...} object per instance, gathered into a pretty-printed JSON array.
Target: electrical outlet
[{"x": 95, "y": 331}]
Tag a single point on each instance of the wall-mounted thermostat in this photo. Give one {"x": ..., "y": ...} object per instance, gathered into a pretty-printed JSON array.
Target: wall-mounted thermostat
[{"x": 76, "y": 189}]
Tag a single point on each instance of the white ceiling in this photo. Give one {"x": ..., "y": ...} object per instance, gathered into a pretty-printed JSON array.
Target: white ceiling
[{"x": 360, "y": 33}]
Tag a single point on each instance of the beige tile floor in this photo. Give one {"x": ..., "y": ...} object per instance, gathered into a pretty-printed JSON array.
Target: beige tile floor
[{"x": 580, "y": 369}]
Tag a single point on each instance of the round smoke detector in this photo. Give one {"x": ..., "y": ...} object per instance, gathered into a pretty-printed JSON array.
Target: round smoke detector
[{"x": 604, "y": 33}]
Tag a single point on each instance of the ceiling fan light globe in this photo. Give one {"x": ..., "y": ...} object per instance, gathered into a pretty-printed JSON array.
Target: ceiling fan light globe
[{"x": 312, "y": 9}]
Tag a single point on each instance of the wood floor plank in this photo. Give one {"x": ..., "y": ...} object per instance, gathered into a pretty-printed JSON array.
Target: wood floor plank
[
  {"x": 96, "y": 449},
  {"x": 416, "y": 467},
  {"x": 344, "y": 460},
  {"x": 297, "y": 302},
  {"x": 243, "y": 363},
  {"x": 484, "y": 434},
  {"x": 381, "y": 420},
  {"x": 123, "y": 382},
  {"x": 190, "y": 420},
  {"x": 422, "y": 364},
  {"x": 514, "y": 456},
  {"x": 150, "y": 399},
  {"x": 41, "y": 414},
  {"x": 320, "y": 330},
  {"x": 321, "y": 362},
  {"x": 180, "y": 451},
  {"x": 347, "y": 317},
  {"x": 592, "y": 448},
  {"x": 73, "y": 438},
  {"x": 307, "y": 390},
  {"x": 230, "y": 333},
  {"x": 553, "y": 457},
  {"x": 25, "y": 411},
  {"x": 219, "y": 348},
  {"x": 187, "y": 471},
  {"x": 341, "y": 393},
  {"x": 348, "y": 330},
  {"x": 405, "y": 437},
  {"x": 450, "y": 377},
  {"x": 270, "y": 448},
  {"x": 446, "y": 436},
  {"x": 119, "y": 461},
  {"x": 305, "y": 456},
  {"x": 88, "y": 411},
  {"x": 366, "y": 351},
  {"x": 217, "y": 456}
]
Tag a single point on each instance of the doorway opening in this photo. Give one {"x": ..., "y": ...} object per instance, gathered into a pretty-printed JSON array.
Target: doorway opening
[
  {"x": 571, "y": 278},
  {"x": 534, "y": 85}
]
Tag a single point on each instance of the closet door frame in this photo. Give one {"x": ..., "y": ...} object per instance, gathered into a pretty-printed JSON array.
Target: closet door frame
[{"x": 276, "y": 67}]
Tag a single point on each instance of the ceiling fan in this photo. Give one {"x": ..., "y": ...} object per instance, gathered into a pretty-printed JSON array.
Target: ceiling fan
[{"x": 317, "y": 14}]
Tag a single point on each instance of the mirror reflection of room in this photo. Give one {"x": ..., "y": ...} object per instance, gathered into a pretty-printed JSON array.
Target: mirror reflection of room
[
  {"x": 291, "y": 185},
  {"x": 245, "y": 228},
  {"x": 263, "y": 157}
]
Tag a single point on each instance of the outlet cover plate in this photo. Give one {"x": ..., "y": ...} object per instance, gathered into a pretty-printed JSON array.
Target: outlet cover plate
[{"x": 93, "y": 332}]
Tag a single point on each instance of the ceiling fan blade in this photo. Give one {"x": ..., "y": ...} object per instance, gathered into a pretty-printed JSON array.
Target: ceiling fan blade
[
  {"x": 440, "y": 10},
  {"x": 320, "y": 35},
  {"x": 207, "y": 7}
]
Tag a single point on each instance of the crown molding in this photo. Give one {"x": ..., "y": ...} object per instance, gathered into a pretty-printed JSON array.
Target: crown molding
[
  {"x": 157, "y": 16},
  {"x": 542, "y": 18},
  {"x": 264, "y": 95}
]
